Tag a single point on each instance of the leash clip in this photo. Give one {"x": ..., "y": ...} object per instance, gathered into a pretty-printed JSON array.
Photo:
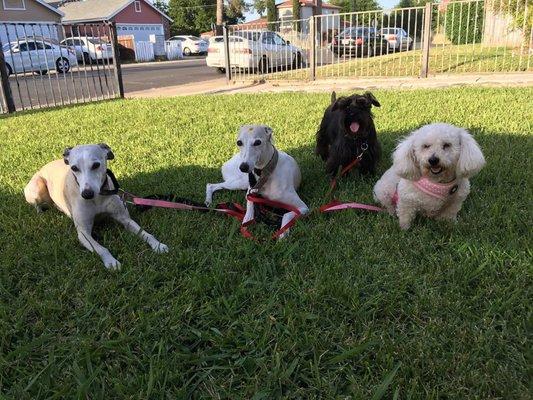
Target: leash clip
[{"x": 126, "y": 197}]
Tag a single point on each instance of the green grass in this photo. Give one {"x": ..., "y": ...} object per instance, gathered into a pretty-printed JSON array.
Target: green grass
[
  {"x": 466, "y": 58},
  {"x": 348, "y": 307}
]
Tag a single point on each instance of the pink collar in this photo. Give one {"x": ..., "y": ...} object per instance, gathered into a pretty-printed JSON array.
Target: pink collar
[{"x": 438, "y": 190}]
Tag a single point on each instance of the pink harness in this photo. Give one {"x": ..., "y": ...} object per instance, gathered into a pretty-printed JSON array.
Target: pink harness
[{"x": 440, "y": 191}]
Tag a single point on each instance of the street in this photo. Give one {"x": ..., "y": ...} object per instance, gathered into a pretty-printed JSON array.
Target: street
[{"x": 96, "y": 81}]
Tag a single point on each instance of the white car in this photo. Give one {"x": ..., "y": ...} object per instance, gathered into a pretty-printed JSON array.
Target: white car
[
  {"x": 89, "y": 48},
  {"x": 397, "y": 38},
  {"x": 261, "y": 50},
  {"x": 191, "y": 44},
  {"x": 37, "y": 55}
]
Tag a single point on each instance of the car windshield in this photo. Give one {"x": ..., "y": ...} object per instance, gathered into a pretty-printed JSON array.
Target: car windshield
[
  {"x": 353, "y": 32},
  {"x": 249, "y": 35},
  {"x": 388, "y": 30},
  {"x": 194, "y": 38},
  {"x": 97, "y": 41},
  {"x": 6, "y": 47}
]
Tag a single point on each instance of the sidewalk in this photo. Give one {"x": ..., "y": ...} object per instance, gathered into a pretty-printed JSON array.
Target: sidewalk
[{"x": 219, "y": 86}]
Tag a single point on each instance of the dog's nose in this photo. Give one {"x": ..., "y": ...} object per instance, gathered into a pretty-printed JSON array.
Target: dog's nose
[
  {"x": 87, "y": 194},
  {"x": 433, "y": 161},
  {"x": 244, "y": 167}
]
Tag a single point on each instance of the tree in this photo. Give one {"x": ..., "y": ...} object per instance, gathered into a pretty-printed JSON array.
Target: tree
[
  {"x": 464, "y": 22},
  {"x": 356, "y": 5},
  {"x": 192, "y": 16},
  {"x": 296, "y": 14},
  {"x": 161, "y": 6},
  {"x": 272, "y": 12},
  {"x": 516, "y": 10},
  {"x": 259, "y": 6},
  {"x": 234, "y": 11}
]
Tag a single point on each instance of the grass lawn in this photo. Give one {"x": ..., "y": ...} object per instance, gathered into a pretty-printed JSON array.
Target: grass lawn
[
  {"x": 348, "y": 307},
  {"x": 466, "y": 58}
]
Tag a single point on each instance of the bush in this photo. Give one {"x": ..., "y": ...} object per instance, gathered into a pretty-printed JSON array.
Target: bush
[{"x": 464, "y": 22}]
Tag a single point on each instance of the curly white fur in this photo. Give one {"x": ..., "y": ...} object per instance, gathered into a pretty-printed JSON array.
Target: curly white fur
[{"x": 455, "y": 156}]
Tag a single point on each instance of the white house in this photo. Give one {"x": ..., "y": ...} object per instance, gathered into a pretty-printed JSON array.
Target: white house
[{"x": 328, "y": 22}]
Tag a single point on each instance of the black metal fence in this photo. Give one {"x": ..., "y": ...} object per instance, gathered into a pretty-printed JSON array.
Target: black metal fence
[
  {"x": 448, "y": 37},
  {"x": 48, "y": 65}
]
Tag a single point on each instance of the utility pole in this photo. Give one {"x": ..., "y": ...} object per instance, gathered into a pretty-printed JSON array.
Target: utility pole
[{"x": 220, "y": 17}]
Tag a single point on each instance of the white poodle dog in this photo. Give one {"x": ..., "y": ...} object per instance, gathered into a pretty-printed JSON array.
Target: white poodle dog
[{"x": 430, "y": 174}]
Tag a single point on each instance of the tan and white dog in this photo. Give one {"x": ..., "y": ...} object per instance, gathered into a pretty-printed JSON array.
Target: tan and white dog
[
  {"x": 430, "y": 174},
  {"x": 276, "y": 174},
  {"x": 79, "y": 186}
]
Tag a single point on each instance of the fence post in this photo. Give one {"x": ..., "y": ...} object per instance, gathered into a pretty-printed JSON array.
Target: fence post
[
  {"x": 5, "y": 88},
  {"x": 116, "y": 59},
  {"x": 226, "y": 53},
  {"x": 312, "y": 54},
  {"x": 425, "y": 44}
]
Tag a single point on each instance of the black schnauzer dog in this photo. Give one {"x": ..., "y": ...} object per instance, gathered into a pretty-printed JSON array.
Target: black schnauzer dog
[{"x": 347, "y": 131}]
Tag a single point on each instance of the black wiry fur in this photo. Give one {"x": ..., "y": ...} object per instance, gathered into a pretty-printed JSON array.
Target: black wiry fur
[{"x": 337, "y": 145}]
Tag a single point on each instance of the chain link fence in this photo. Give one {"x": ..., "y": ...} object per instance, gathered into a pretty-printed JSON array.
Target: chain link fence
[{"x": 465, "y": 36}]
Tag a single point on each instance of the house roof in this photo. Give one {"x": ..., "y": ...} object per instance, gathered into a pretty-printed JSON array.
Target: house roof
[
  {"x": 97, "y": 10},
  {"x": 49, "y": 6},
  {"x": 307, "y": 3}
]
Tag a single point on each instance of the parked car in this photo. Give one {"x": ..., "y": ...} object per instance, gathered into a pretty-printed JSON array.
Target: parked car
[
  {"x": 191, "y": 44},
  {"x": 261, "y": 50},
  {"x": 37, "y": 55},
  {"x": 398, "y": 38},
  {"x": 359, "y": 41},
  {"x": 89, "y": 49}
]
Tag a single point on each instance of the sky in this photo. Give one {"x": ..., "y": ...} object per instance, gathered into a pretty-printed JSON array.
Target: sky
[{"x": 384, "y": 3}]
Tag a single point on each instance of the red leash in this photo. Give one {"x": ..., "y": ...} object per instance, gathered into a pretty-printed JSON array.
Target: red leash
[
  {"x": 336, "y": 205},
  {"x": 271, "y": 203}
]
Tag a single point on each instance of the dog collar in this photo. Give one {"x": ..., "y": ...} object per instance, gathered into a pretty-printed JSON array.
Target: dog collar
[
  {"x": 263, "y": 174},
  {"x": 116, "y": 186},
  {"x": 438, "y": 190}
]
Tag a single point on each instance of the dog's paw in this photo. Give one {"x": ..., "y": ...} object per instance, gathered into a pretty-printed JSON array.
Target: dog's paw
[
  {"x": 112, "y": 264},
  {"x": 161, "y": 248}
]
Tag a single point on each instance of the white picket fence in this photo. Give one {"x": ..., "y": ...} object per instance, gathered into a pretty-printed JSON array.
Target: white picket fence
[
  {"x": 173, "y": 49},
  {"x": 144, "y": 51}
]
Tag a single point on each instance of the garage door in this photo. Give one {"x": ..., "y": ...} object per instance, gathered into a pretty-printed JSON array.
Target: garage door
[
  {"x": 15, "y": 32},
  {"x": 141, "y": 32}
]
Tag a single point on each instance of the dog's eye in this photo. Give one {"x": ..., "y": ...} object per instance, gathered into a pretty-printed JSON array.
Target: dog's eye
[
  {"x": 75, "y": 169},
  {"x": 446, "y": 146},
  {"x": 96, "y": 165},
  {"x": 239, "y": 143},
  {"x": 257, "y": 143},
  {"x": 426, "y": 146}
]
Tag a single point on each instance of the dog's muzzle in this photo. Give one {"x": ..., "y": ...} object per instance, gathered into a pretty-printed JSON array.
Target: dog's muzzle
[{"x": 87, "y": 194}]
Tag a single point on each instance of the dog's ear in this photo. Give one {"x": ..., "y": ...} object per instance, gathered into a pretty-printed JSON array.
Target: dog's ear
[
  {"x": 372, "y": 99},
  {"x": 341, "y": 103},
  {"x": 66, "y": 154},
  {"x": 110, "y": 155},
  {"x": 471, "y": 158},
  {"x": 404, "y": 160},
  {"x": 269, "y": 131},
  {"x": 333, "y": 97}
]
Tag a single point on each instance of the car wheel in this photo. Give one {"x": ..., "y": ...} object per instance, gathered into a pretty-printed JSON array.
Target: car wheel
[
  {"x": 9, "y": 70},
  {"x": 86, "y": 58},
  {"x": 410, "y": 47},
  {"x": 370, "y": 52},
  {"x": 263, "y": 65},
  {"x": 221, "y": 70},
  {"x": 186, "y": 51},
  {"x": 297, "y": 61},
  {"x": 62, "y": 65}
]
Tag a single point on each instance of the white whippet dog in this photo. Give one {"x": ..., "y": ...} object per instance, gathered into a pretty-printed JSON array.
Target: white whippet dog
[
  {"x": 261, "y": 169},
  {"x": 81, "y": 187}
]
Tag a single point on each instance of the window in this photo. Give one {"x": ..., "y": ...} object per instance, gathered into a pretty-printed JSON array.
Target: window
[
  {"x": 27, "y": 46},
  {"x": 278, "y": 40},
  {"x": 14, "y": 4},
  {"x": 137, "y": 6}
]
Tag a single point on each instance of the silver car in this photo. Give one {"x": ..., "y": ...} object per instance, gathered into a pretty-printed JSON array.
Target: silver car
[
  {"x": 89, "y": 48},
  {"x": 37, "y": 55}
]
